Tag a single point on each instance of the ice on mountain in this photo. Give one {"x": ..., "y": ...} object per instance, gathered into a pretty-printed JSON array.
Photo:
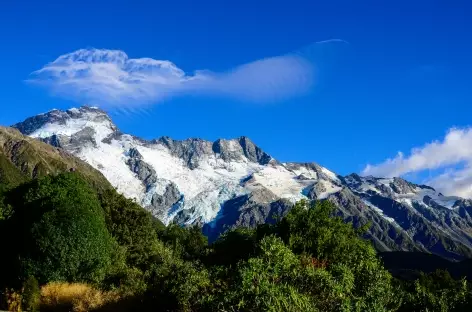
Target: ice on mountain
[
  {"x": 330, "y": 189},
  {"x": 380, "y": 212},
  {"x": 213, "y": 178},
  {"x": 74, "y": 110},
  {"x": 330, "y": 174}
]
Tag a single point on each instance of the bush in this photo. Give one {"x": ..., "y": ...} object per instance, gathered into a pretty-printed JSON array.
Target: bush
[
  {"x": 313, "y": 229},
  {"x": 265, "y": 283},
  {"x": 31, "y": 295},
  {"x": 233, "y": 246},
  {"x": 178, "y": 286},
  {"x": 127, "y": 282},
  {"x": 57, "y": 231},
  {"x": 133, "y": 227},
  {"x": 13, "y": 300},
  {"x": 186, "y": 243},
  {"x": 437, "y": 291},
  {"x": 276, "y": 279}
]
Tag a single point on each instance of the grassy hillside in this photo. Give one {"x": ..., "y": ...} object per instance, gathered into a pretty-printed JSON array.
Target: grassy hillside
[{"x": 23, "y": 158}]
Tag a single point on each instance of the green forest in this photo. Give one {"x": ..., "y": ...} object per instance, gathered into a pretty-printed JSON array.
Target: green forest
[{"x": 69, "y": 245}]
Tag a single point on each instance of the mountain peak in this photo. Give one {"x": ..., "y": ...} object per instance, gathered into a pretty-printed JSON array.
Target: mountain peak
[
  {"x": 68, "y": 123},
  {"x": 83, "y": 108}
]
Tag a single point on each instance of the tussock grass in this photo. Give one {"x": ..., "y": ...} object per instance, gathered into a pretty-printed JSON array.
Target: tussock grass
[
  {"x": 13, "y": 301},
  {"x": 74, "y": 297}
]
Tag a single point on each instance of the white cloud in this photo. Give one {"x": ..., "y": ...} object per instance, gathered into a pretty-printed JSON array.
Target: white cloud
[
  {"x": 455, "y": 182},
  {"x": 447, "y": 155},
  {"x": 110, "y": 77}
]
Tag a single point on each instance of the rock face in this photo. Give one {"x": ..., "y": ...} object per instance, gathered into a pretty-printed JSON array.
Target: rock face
[
  {"x": 144, "y": 172},
  {"x": 260, "y": 206},
  {"x": 170, "y": 199},
  {"x": 230, "y": 183}
]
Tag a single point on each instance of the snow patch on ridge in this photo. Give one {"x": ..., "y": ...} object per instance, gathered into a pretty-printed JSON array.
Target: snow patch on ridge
[
  {"x": 330, "y": 174},
  {"x": 330, "y": 189},
  {"x": 280, "y": 181},
  {"x": 74, "y": 110},
  {"x": 110, "y": 160},
  {"x": 73, "y": 125},
  {"x": 380, "y": 212},
  {"x": 303, "y": 171}
]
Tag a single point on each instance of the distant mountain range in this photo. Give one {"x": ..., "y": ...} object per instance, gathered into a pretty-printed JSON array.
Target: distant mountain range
[{"x": 228, "y": 183}]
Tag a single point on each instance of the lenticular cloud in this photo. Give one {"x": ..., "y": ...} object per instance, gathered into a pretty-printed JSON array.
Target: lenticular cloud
[{"x": 110, "y": 77}]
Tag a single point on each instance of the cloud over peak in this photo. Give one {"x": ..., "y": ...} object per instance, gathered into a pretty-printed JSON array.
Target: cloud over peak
[
  {"x": 111, "y": 78},
  {"x": 452, "y": 155}
]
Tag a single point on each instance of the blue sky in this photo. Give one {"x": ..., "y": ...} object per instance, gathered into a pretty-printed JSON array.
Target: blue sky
[{"x": 399, "y": 81}]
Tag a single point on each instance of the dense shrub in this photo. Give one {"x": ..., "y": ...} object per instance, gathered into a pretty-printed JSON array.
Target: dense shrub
[
  {"x": 31, "y": 295},
  {"x": 233, "y": 246},
  {"x": 437, "y": 291},
  {"x": 266, "y": 283},
  {"x": 188, "y": 243},
  {"x": 133, "y": 228},
  {"x": 177, "y": 286},
  {"x": 57, "y": 231},
  {"x": 313, "y": 229}
]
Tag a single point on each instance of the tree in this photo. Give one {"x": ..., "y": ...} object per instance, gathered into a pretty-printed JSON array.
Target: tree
[
  {"x": 265, "y": 283},
  {"x": 437, "y": 291},
  {"x": 133, "y": 228},
  {"x": 314, "y": 230},
  {"x": 57, "y": 231},
  {"x": 176, "y": 286},
  {"x": 187, "y": 243},
  {"x": 233, "y": 246}
]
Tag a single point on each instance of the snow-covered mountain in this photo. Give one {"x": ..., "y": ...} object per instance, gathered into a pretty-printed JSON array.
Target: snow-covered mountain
[{"x": 233, "y": 182}]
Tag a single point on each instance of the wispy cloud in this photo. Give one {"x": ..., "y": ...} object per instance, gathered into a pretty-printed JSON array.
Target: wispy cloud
[
  {"x": 110, "y": 77},
  {"x": 452, "y": 155},
  {"x": 333, "y": 41}
]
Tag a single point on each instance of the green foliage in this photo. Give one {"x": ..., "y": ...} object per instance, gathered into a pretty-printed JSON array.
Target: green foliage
[
  {"x": 232, "y": 247},
  {"x": 437, "y": 291},
  {"x": 5, "y": 209},
  {"x": 176, "y": 286},
  {"x": 9, "y": 174},
  {"x": 266, "y": 283},
  {"x": 315, "y": 231},
  {"x": 128, "y": 281},
  {"x": 58, "y": 231},
  {"x": 186, "y": 243},
  {"x": 31, "y": 295},
  {"x": 133, "y": 228},
  {"x": 347, "y": 267}
]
